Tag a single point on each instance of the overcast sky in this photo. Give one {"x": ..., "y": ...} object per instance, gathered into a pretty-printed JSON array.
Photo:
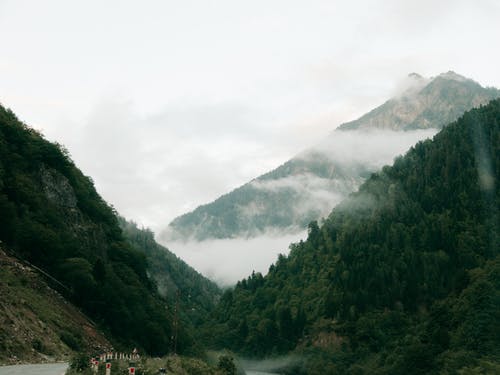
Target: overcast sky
[{"x": 169, "y": 104}]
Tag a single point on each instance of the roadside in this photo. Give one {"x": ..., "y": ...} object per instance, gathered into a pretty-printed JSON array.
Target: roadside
[
  {"x": 37, "y": 325},
  {"x": 39, "y": 369}
]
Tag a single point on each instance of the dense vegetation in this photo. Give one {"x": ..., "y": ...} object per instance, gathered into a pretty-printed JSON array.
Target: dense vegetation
[
  {"x": 294, "y": 194},
  {"x": 401, "y": 278},
  {"x": 51, "y": 215},
  {"x": 175, "y": 280},
  {"x": 261, "y": 206}
]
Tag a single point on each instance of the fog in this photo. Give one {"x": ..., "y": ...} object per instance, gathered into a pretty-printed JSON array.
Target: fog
[
  {"x": 173, "y": 95},
  {"x": 349, "y": 155},
  {"x": 229, "y": 260},
  {"x": 312, "y": 194},
  {"x": 270, "y": 365},
  {"x": 373, "y": 148}
]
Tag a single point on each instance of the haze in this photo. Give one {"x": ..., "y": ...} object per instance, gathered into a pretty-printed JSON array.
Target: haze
[{"x": 167, "y": 105}]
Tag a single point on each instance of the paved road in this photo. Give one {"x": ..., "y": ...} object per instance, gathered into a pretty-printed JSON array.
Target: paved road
[{"x": 44, "y": 369}]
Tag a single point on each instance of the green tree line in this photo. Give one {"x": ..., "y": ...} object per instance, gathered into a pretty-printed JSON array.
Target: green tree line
[{"x": 402, "y": 278}]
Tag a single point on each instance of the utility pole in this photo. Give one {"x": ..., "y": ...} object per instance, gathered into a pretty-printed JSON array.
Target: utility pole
[{"x": 175, "y": 324}]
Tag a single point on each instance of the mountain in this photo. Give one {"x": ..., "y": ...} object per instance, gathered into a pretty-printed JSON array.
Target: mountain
[
  {"x": 403, "y": 277},
  {"x": 288, "y": 197},
  {"x": 426, "y": 104},
  {"x": 309, "y": 185},
  {"x": 52, "y": 217}
]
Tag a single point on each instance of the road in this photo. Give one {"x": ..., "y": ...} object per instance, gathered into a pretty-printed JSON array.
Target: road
[
  {"x": 60, "y": 369},
  {"x": 43, "y": 369}
]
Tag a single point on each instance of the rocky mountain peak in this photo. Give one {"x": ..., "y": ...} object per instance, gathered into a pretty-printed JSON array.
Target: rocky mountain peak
[
  {"x": 426, "y": 103},
  {"x": 451, "y": 75}
]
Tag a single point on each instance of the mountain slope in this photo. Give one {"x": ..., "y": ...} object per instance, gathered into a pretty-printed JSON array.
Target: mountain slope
[
  {"x": 37, "y": 324},
  {"x": 173, "y": 277},
  {"x": 426, "y": 104},
  {"x": 265, "y": 204},
  {"x": 402, "y": 278},
  {"x": 308, "y": 186},
  {"x": 51, "y": 215}
]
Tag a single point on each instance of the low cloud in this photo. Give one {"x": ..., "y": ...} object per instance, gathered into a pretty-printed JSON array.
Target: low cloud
[
  {"x": 371, "y": 148},
  {"x": 410, "y": 85},
  {"x": 269, "y": 365},
  {"x": 344, "y": 160},
  {"x": 152, "y": 167},
  {"x": 311, "y": 193},
  {"x": 227, "y": 261}
]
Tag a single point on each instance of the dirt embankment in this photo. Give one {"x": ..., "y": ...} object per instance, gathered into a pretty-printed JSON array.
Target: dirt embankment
[{"x": 36, "y": 323}]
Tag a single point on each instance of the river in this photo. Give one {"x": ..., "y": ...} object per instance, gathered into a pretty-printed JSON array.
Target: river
[{"x": 41, "y": 369}]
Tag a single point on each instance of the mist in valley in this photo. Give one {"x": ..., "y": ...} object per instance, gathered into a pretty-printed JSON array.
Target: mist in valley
[
  {"x": 226, "y": 261},
  {"x": 349, "y": 153}
]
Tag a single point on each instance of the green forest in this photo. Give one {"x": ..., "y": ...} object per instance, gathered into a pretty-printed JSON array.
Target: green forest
[
  {"x": 52, "y": 216},
  {"x": 402, "y": 278},
  {"x": 175, "y": 280}
]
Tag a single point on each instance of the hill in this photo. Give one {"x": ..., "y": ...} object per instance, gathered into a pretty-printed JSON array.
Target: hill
[
  {"x": 309, "y": 185},
  {"x": 52, "y": 216},
  {"x": 403, "y": 277}
]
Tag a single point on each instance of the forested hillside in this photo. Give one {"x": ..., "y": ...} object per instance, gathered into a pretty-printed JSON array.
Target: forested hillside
[
  {"x": 51, "y": 215},
  {"x": 402, "y": 278},
  {"x": 287, "y": 198},
  {"x": 174, "y": 279},
  {"x": 309, "y": 185}
]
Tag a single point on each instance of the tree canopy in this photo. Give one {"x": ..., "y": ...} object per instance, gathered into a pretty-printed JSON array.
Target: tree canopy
[
  {"x": 52, "y": 216},
  {"x": 402, "y": 277}
]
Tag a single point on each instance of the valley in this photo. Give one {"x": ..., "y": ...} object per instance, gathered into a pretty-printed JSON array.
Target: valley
[
  {"x": 397, "y": 273},
  {"x": 249, "y": 187}
]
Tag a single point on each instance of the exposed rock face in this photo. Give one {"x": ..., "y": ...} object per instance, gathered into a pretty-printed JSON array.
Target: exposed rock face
[
  {"x": 426, "y": 104},
  {"x": 308, "y": 186},
  {"x": 57, "y": 188},
  {"x": 59, "y": 192}
]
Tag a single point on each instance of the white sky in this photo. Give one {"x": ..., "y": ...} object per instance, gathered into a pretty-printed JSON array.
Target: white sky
[{"x": 169, "y": 104}]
